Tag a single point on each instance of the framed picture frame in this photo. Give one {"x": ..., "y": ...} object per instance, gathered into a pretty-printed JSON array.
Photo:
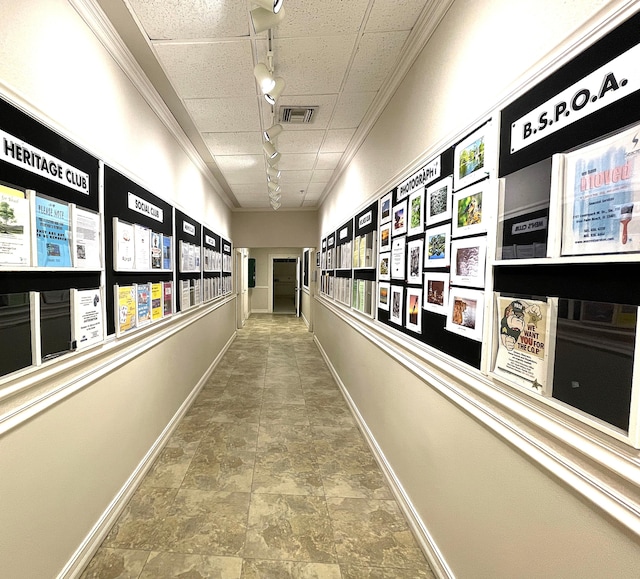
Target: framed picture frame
[
  {"x": 396, "y": 304},
  {"x": 437, "y": 246},
  {"x": 415, "y": 224},
  {"x": 385, "y": 208},
  {"x": 437, "y": 202},
  {"x": 414, "y": 261},
  {"x": 470, "y": 158},
  {"x": 413, "y": 320},
  {"x": 436, "y": 292},
  {"x": 468, "y": 256},
  {"x": 465, "y": 312},
  {"x": 384, "y": 266},
  {"x": 468, "y": 214},
  {"x": 398, "y": 260},
  {"x": 317, "y": 259},
  {"x": 399, "y": 218},
  {"x": 384, "y": 290},
  {"x": 385, "y": 237}
]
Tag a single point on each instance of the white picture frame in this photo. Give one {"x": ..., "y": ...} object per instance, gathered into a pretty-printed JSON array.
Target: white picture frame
[
  {"x": 437, "y": 202},
  {"x": 385, "y": 208},
  {"x": 415, "y": 216},
  {"x": 436, "y": 292},
  {"x": 465, "y": 312},
  {"x": 384, "y": 295},
  {"x": 398, "y": 261},
  {"x": 396, "y": 298},
  {"x": 437, "y": 246},
  {"x": 468, "y": 259},
  {"x": 470, "y": 158},
  {"x": 385, "y": 237},
  {"x": 468, "y": 211},
  {"x": 384, "y": 266},
  {"x": 413, "y": 320},
  {"x": 399, "y": 218},
  {"x": 414, "y": 261}
]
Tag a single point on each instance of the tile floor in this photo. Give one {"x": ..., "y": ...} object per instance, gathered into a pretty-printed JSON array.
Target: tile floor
[{"x": 267, "y": 476}]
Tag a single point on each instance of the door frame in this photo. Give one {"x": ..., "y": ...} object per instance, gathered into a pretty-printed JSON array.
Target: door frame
[{"x": 272, "y": 257}]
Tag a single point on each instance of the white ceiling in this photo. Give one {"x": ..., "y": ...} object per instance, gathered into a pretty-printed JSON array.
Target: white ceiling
[{"x": 337, "y": 55}]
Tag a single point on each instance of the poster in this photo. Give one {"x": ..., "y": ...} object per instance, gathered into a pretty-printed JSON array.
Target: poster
[
  {"x": 86, "y": 316},
  {"x": 15, "y": 245},
  {"x": 468, "y": 215},
  {"x": 416, "y": 212},
  {"x": 52, "y": 233},
  {"x": 523, "y": 327},
  {"x": 465, "y": 312},
  {"x": 436, "y": 292},
  {"x": 414, "y": 310},
  {"x": 125, "y": 308},
  {"x": 142, "y": 244},
  {"x": 86, "y": 238},
  {"x": 602, "y": 197},
  {"x": 123, "y": 245},
  {"x": 397, "y": 258},
  {"x": 156, "y": 250},
  {"x": 414, "y": 261},
  {"x": 468, "y": 261},
  {"x": 143, "y": 303},
  {"x": 437, "y": 247},
  {"x": 167, "y": 298},
  {"x": 156, "y": 301},
  {"x": 438, "y": 201},
  {"x": 395, "y": 311}
]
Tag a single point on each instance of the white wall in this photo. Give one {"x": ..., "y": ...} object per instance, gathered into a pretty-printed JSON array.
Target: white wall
[
  {"x": 275, "y": 228},
  {"x": 482, "y": 505},
  {"x": 74, "y": 435},
  {"x": 260, "y": 297}
]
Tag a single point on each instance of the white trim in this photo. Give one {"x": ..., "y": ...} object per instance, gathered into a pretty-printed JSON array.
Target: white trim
[
  {"x": 433, "y": 554},
  {"x": 573, "y": 463},
  {"x": 91, "y": 543},
  {"x": 34, "y": 390}
]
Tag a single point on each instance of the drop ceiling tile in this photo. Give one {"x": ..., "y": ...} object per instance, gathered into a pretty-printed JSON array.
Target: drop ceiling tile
[
  {"x": 321, "y": 176},
  {"x": 234, "y": 143},
  {"x": 309, "y": 202},
  {"x": 328, "y": 160},
  {"x": 295, "y": 162},
  {"x": 312, "y": 65},
  {"x": 292, "y": 189},
  {"x": 299, "y": 141},
  {"x": 209, "y": 69},
  {"x": 315, "y": 190},
  {"x": 322, "y": 18},
  {"x": 229, "y": 115},
  {"x": 325, "y": 103},
  {"x": 377, "y": 55},
  {"x": 396, "y": 15},
  {"x": 291, "y": 202},
  {"x": 242, "y": 169},
  {"x": 249, "y": 190},
  {"x": 336, "y": 140},
  {"x": 296, "y": 176},
  {"x": 351, "y": 109},
  {"x": 169, "y": 19}
]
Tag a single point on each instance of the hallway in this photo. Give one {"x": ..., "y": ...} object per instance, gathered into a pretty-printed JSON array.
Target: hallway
[{"x": 267, "y": 476}]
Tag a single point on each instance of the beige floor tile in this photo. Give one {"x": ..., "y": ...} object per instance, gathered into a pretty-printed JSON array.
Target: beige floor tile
[
  {"x": 211, "y": 470},
  {"x": 172, "y": 565},
  {"x": 287, "y": 473},
  {"x": 259, "y": 569},
  {"x": 115, "y": 564}
]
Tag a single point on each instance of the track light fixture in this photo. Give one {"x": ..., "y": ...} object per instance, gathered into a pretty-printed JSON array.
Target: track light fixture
[
  {"x": 273, "y": 160},
  {"x": 264, "y": 19},
  {"x": 273, "y": 173},
  {"x": 269, "y": 149},
  {"x": 273, "y": 131},
  {"x": 263, "y": 76},
  {"x": 275, "y": 197},
  {"x": 275, "y": 205},
  {"x": 274, "y": 94},
  {"x": 271, "y": 5},
  {"x": 275, "y": 187}
]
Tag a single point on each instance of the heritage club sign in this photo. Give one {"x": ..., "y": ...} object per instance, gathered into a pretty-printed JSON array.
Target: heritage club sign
[{"x": 615, "y": 80}]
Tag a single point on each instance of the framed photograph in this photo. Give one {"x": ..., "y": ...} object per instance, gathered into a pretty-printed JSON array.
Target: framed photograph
[
  {"x": 385, "y": 237},
  {"x": 465, "y": 312},
  {"x": 468, "y": 217},
  {"x": 384, "y": 266},
  {"x": 399, "y": 221},
  {"x": 385, "y": 209},
  {"x": 468, "y": 261},
  {"x": 416, "y": 212},
  {"x": 437, "y": 247},
  {"x": 414, "y": 310},
  {"x": 384, "y": 290},
  {"x": 436, "y": 292},
  {"x": 601, "y": 212},
  {"x": 317, "y": 259},
  {"x": 470, "y": 158},
  {"x": 438, "y": 201},
  {"x": 398, "y": 258},
  {"x": 396, "y": 304},
  {"x": 414, "y": 261}
]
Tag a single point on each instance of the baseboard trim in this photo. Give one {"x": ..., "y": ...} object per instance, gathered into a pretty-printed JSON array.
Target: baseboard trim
[
  {"x": 88, "y": 548},
  {"x": 416, "y": 524}
]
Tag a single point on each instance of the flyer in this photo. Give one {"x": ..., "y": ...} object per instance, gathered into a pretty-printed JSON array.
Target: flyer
[
  {"x": 52, "y": 232},
  {"x": 523, "y": 342},
  {"x": 15, "y": 246},
  {"x": 86, "y": 315},
  {"x": 602, "y": 197}
]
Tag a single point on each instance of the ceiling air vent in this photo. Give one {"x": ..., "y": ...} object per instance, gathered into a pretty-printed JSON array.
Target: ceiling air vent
[{"x": 297, "y": 115}]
